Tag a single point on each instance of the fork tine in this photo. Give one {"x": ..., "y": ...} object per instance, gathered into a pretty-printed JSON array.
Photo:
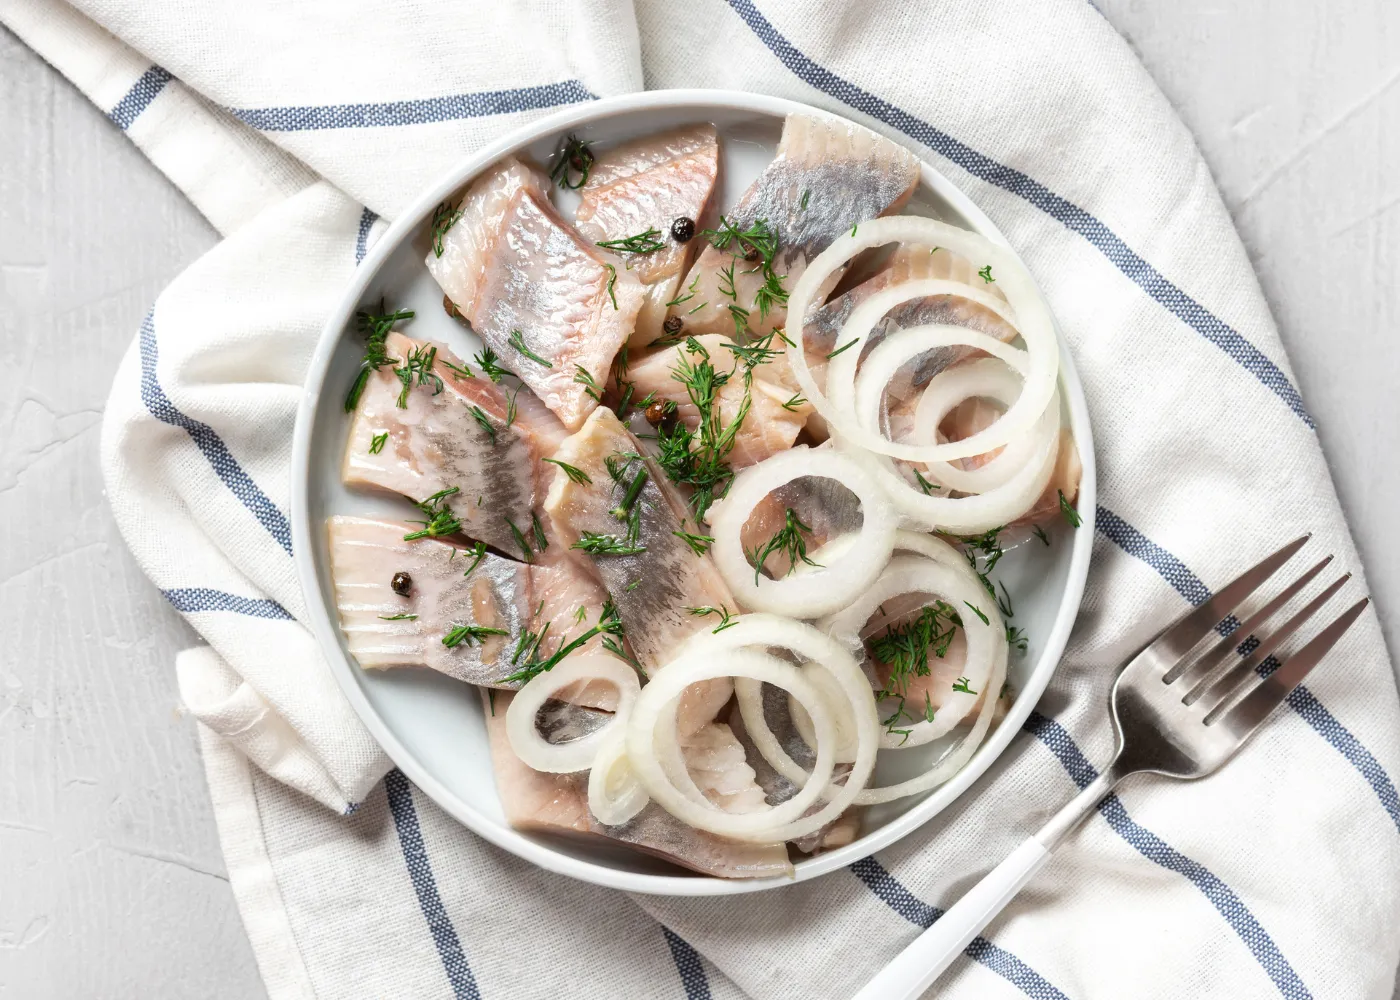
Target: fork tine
[
  {"x": 1194, "y": 671},
  {"x": 1256, "y": 706},
  {"x": 1219, "y": 693},
  {"x": 1177, "y": 641}
]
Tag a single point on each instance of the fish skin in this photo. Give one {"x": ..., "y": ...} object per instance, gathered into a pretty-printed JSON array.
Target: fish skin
[
  {"x": 850, "y": 174},
  {"x": 511, "y": 263},
  {"x": 769, "y": 427},
  {"x": 648, "y": 184},
  {"x": 828, "y": 508},
  {"x": 558, "y": 803},
  {"x": 673, "y": 576},
  {"x": 365, "y": 553},
  {"x": 436, "y": 442}
]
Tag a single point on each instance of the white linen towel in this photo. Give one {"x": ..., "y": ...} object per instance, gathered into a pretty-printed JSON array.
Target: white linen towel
[{"x": 295, "y": 127}]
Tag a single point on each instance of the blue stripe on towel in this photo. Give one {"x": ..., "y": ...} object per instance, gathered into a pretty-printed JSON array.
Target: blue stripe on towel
[
  {"x": 139, "y": 97},
  {"x": 414, "y": 112},
  {"x": 1301, "y": 700},
  {"x": 420, "y": 871},
  {"x": 192, "y": 599},
  {"x": 1074, "y": 218},
  {"x": 367, "y": 219},
  {"x": 209, "y": 442},
  {"x": 921, "y": 914},
  {"x": 1149, "y": 845},
  {"x": 688, "y": 964}
]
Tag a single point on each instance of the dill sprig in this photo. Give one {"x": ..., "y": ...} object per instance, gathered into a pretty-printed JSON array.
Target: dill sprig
[
  {"x": 698, "y": 458},
  {"x": 478, "y": 553},
  {"x": 527, "y": 651},
  {"x": 612, "y": 283},
  {"x": 962, "y": 684},
  {"x": 596, "y": 544},
  {"x": 469, "y": 634},
  {"x": 1016, "y": 638},
  {"x": 646, "y": 242},
  {"x": 517, "y": 340},
  {"x": 376, "y": 328},
  {"x": 760, "y": 242},
  {"x": 755, "y": 354},
  {"x": 905, "y": 650},
  {"x": 788, "y": 541},
  {"x": 924, "y": 484},
  {"x": 376, "y": 443},
  {"x": 797, "y": 400},
  {"x": 690, "y": 289},
  {"x": 589, "y": 383},
  {"x": 629, "y": 499},
  {"x": 486, "y": 361},
  {"x": 985, "y": 274},
  {"x": 1067, "y": 509},
  {"x": 441, "y": 520},
  {"x": 574, "y": 473},
  {"x": 726, "y": 617},
  {"x": 460, "y": 371},
  {"x": 510, "y": 407},
  {"x": 979, "y": 612},
  {"x": 445, "y": 216},
  {"x": 526, "y": 553},
  {"x": 844, "y": 347},
  {"x": 541, "y": 542},
  {"x": 699, "y": 544},
  {"x": 1039, "y": 532},
  {"x": 572, "y": 163},
  {"x": 418, "y": 364},
  {"x": 398, "y": 618},
  {"x": 484, "y": 422}
]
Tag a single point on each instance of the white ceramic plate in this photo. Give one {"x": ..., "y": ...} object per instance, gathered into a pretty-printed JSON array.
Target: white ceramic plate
[{"x": 432, "y": 726}]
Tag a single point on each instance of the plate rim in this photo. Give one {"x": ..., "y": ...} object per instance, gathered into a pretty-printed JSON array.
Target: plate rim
[{"x": 341, "y": 666}]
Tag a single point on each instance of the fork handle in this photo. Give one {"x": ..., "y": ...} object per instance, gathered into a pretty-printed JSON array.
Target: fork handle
[{"x": 919, "y": 964}]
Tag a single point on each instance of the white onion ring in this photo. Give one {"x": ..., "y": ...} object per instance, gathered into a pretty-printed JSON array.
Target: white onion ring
[
  {"x": 822, "y": 591},
  {"x": 575, "y": 755},
  {"x": 988, "y": 378},
  {"x": 848, "y": 742},
  {"x": 770, "y": 825},
  {"x": 1034, "y": 323},
  {"x": 614, "y": 793},
  {"x": 914, "y": 574}
]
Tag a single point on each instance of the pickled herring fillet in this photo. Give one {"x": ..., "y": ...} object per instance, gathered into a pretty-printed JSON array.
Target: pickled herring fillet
[
  {"x": 829, "y": 175},
  {"x": 644, "y": 186},
  {"x": 548, "y": 302},
  {"x": 385, "y": 628},
  {"x": 457, "y": 436},
  {"x": 655, "y": 585},
  {"x": 558, "y": 803}
]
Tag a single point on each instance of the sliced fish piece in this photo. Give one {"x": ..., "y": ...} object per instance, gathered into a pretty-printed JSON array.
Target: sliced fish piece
[
  {"x": 558, "y": 803},
  {"x": 462, "y": 436},
  {"x": 648, "y": 184},
  {"x": 777, "y": 411},
  {"x": 825, "y": 506},
  {"x": 367, "y": 554},
  {"x": 654, "y": 587},
  {"x": 828, "y": 176},
  {"x": 548, "y": 302}
]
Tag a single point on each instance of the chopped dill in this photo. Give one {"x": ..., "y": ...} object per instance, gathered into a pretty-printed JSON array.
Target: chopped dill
[
  {"x": 574, "y": 473},
  {"x": 979, "y": 612},
  {"x": 806, "y": 193},
  {"x": 797, "y": 400},
  {"x": 1039, "y": 532},
  {"x": 589, "y": 383},
  {"x": 699, "y": 544},
  {"x": 596, "y": 544},
  {"x": 755, "y": 354},
  {"x": 460, "y": 371},
  {"x": 541, "y": 542},
  {"x": 986, "y": 274},
  {"x": 924, "y": 484},
  {"x": 905, "y": 650},
  {"x": 612, "y": 283},
  {"x": 1067, "y": 509},
  {"x": 697, "y": 458},
  {"x": 526, "y": 552},
  {"x": 478, "y": 553},
  {"x": 843, "y": 348},
  {"x": 629, "y": 499},
  {"x": 376, "y": 443},
  {"x": 572, "y": 163},
  {"x": 398, "y": 618},
  {"x": 376, "y": 328},
  {"x": 633, "y": 585},
  {"x": 1016, "y": 638},
  {"x": 528, "y": 651},
  {"x": 517, "y": 340},
  {"x": 469, "y": 634},
  {"x": 727, "y": 619},
  {"x": 510, "y": 409},
  {"x": 962, "y": 684},
  {"x": 419, "y": 364},
  {"x": 691, "y": 289}
]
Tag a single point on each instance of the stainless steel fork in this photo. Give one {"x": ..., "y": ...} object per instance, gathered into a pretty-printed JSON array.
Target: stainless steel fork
[{"x": 1175, "y": 712}]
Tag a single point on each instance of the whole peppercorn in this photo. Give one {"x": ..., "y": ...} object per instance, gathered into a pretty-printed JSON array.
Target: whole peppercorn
[
  {"x": 673, "y": 325},
  {"x": 683, "y": 230},
  {"x": 401, "y": 583},
  {"x": 660, "y": 412}
]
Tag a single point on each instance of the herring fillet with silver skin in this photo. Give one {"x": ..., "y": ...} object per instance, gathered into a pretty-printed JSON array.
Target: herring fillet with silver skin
[
  {"x": 828, "y": 176},
  {"x": 777, "y": 409},
  {"x": 644, "y": 185},
  {"x": 534, "y": 801},
  {"x": 367, "y": 553},
  {"x": 654, "y": 587},
  {"x": 524, "y": 278},
  {"x": 440, "y": 439}
]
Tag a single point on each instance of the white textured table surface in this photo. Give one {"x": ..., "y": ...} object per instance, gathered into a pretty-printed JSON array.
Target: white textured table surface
[{"x": 111, "y": 881}]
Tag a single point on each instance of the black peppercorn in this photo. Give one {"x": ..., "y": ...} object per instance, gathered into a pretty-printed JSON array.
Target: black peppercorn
[
  {"x": 683, "y": 230},
  {"x": 401, "y": 583},
  {"x": 656, "y": 413},
  {"x": 673, "y": 325}
]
